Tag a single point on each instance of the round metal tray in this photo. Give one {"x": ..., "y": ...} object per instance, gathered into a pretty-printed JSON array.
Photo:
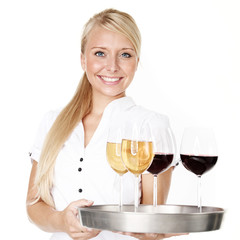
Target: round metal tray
[{"x": 149, "y": 219}]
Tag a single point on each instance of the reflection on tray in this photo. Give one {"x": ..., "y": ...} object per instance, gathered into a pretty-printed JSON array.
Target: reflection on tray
[{"x": 149, "y": 219}]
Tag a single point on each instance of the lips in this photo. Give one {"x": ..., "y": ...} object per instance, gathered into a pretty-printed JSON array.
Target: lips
[{"x": 110, "y": 80}]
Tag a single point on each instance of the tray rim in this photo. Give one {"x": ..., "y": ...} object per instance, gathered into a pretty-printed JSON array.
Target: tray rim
[
  {"x": 166, "y": 221},
  {"x": 93, "y": 208},
  {"x": 102, "y": 217}
]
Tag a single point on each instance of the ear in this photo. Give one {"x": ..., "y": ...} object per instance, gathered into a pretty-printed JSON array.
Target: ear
[{"x": 83, "y": 62}]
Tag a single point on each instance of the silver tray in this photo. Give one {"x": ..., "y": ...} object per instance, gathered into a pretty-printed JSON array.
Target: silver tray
[{"x": 149, "y": 219}]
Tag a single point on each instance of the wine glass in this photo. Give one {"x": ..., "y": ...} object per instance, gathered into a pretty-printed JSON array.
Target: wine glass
[
  {"x": 114, "y": 157},
  {"x": 137, "y": 151},
  {"x": 198, "y": 153},
  {"x": 164, "y": 150}
]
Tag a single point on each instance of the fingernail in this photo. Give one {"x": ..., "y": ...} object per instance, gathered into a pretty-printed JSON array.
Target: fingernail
[
  {"x": 89, "y": 229},
  {"x": 152, "y": 234}
]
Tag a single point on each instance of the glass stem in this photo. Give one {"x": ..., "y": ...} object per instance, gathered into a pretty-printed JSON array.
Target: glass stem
[
  {"x": 121, "y": 192},
  {"x": 136, "y": 191},
  {"x": 154, "y": 190},
  {"x": 199, "y": 194}
]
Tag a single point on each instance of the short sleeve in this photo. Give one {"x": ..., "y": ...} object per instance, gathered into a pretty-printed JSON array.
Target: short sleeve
[{"x": 42, "y": 131}]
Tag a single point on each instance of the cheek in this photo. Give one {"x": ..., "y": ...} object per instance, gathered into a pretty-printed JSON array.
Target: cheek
[
  {"x": 93, "y": 66},
  {"x": 130, "y": 69}
]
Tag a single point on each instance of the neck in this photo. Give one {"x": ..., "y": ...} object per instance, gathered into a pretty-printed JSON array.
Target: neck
[{"x": 100, "y": 102}]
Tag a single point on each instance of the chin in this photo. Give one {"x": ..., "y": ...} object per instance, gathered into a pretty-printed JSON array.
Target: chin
[{"x": 115, "y": 94}]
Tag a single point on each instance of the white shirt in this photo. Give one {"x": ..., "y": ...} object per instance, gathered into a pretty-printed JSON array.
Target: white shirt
[{"x": 84, "y": 172}]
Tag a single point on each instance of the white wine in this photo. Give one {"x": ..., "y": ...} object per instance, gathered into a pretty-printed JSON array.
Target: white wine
[
  {"x": 137, "y": 156},
  {"x": 114, "y": 158}
]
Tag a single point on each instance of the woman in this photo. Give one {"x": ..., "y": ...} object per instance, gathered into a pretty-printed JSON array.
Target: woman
[{"x": 69, "y": 167}]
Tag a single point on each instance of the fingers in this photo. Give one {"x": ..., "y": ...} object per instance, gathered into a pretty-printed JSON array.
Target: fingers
[
  {"x": 152, "y": 236},
  {"x": 72, "y": 225},
  {"x": 145, "y": 236},
  {"x": 82, "y": 203},
  {"x": 85, "y": 234},
  {"x": 168, "y": 235}
]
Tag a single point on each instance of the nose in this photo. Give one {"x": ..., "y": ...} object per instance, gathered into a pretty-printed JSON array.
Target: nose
[{"x": 112, "y": 64}]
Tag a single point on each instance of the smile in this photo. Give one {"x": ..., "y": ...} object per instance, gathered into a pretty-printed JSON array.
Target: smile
[{"x": 110, "y": 79}]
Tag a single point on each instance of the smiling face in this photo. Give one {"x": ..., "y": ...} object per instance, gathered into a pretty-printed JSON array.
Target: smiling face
[{"x": 110, "y": 62}]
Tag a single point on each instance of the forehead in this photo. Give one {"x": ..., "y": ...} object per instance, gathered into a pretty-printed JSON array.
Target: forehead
[{"x": 101, "y": 37}]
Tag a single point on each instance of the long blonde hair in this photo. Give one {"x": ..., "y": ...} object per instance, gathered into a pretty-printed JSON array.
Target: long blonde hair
[{"x": 81, "y": 103}]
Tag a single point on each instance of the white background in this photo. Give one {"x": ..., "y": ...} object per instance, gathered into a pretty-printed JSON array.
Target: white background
[{"x": 189, "y": 70}]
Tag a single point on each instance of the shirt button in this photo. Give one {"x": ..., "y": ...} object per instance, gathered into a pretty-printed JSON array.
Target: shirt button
[
  {"x": 80, "y": 190},
  {"x": 81, "y": 159},
  {"x": 79, "y": 169}
]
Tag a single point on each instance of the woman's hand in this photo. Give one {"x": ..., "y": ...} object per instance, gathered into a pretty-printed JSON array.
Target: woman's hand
[
  {"x": 153, "y": 236},
  {"x": 71, "y": 224}
]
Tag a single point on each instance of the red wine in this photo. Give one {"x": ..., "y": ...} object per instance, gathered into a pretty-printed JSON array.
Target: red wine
[
  {"x": 198, "y": 164},
  {"x": 160, "y": 163}
]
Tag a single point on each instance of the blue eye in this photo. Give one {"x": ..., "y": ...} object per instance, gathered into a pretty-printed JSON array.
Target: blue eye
[
  {"x": 99, "y": 54},
  {"x": 126, "y": 55}
]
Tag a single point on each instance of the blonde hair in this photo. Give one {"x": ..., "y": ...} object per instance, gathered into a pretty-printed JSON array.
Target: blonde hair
[{"x": 81, "y": 103}]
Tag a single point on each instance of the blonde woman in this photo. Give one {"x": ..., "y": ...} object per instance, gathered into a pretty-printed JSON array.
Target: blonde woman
[{"x": 69, "y": 167}]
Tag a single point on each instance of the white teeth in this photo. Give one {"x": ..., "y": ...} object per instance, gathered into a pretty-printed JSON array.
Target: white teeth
[{"x": 107, "y": 79}]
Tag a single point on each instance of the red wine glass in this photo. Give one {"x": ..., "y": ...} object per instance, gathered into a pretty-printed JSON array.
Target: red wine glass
[
  {"x": 164, "y": 151},
  {"x": 198, "y": 153}
]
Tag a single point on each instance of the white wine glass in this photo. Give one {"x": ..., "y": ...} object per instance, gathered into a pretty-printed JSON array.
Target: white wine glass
[
  {"x": 198, "y": 153},
  {"x": 137, "y": 151},
  {"x": 164, "y": 151},
  {"x": 114, "y": 157}
]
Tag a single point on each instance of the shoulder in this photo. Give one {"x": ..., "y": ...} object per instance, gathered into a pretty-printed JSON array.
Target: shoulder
[
  {"x": 51, "y": 115},
  {"x": 159, "y": 119},
  {"x": 44, "y": 126},
  {"x": 49, "y": 118}
]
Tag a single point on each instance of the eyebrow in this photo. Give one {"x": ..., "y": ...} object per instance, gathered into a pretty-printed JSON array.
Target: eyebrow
[{"x": 104, "y": 48}]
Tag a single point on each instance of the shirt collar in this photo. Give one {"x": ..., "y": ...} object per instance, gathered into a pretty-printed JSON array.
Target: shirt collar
[
  {"x": 120, "y": 104},
  {"x": 112, "y": 111}
]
